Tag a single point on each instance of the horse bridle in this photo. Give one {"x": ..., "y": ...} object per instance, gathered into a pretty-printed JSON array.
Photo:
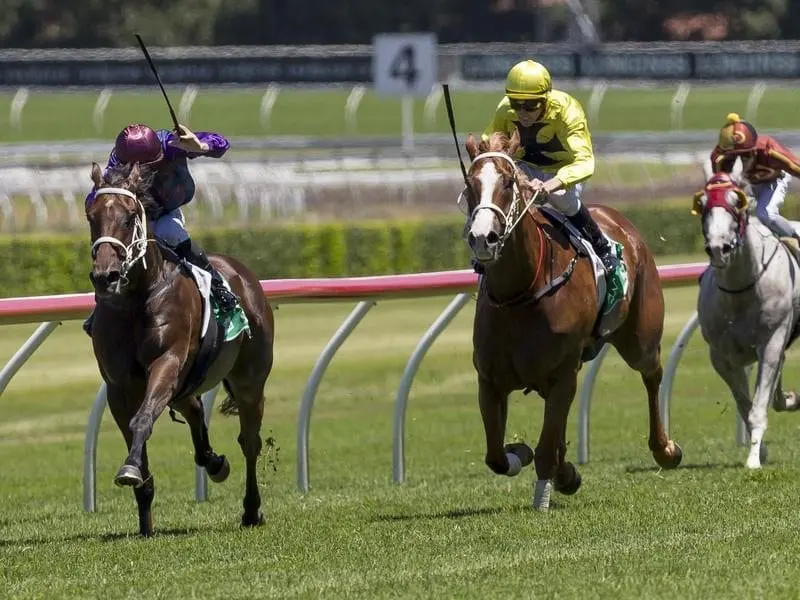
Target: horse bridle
[
  {"x": 511, "y": 219},
  {"x": 718, "y": 200},
  {"x": 136, "y": 250}
]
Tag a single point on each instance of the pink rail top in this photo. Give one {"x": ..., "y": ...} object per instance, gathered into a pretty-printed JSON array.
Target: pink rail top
[{"x": 65, "y": 307}]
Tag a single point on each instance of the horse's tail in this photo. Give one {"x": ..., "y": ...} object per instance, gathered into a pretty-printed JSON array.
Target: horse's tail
[{"x": 228, "y": 406}]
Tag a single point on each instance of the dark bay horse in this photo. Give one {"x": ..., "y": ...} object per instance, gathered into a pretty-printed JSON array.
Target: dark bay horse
[
  {"x": 146, "y": 335},
  {"x": 536, "y": 313}
]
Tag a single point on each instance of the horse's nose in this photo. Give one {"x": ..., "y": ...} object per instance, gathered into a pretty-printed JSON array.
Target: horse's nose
[
  {"x": 471, "y": 240},
  {"x": 707, "y": 248},
  {"x": 492, "y": 238},
  {"x": 727, "y": 248},
  {"x": 102, "y": 280}
]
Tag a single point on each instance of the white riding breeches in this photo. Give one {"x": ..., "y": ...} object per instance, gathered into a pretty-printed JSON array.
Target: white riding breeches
[
  {"x": 769, "y": 200},
  {"x": 170, "y": 227}
]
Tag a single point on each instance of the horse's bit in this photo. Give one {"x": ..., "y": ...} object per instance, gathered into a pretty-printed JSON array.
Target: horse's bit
[
  {"x": 511, "y": 219},
  {"x": 137, "y": 249}
]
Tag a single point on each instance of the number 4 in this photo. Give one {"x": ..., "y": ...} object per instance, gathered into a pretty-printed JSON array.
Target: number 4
[{"x": 404, "y": 65}]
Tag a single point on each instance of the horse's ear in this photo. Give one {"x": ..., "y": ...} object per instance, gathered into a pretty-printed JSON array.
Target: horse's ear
[
  {"x": 741, "y": 200},
  {"x": 97, "y": 175},
  {"x": 698, "y": 202},
  {"x": 736, "y": 171},
  {"x": 472, "y": 147},
  {"x": 513, "y": 144},
  {"x": 708, "y": 169},
  {"x": 134, "y": 175}
]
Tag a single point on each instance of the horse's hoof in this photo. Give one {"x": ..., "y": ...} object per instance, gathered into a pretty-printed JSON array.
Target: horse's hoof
[
  {"x": 671, "y": 461},
  {"x": 571, "y": 486},
  {"x": 222, "y": 470},
  {"x": 522, "y": 451},
  {"x": 249, "y": 521},
  {"x": 129, "y": 476}
]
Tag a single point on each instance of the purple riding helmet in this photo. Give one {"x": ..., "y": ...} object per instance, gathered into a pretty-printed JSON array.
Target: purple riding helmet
[{"x": 138, "y": 144}]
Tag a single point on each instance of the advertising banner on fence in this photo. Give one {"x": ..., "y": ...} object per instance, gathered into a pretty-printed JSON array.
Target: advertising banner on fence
[
  {"x": 609, "y": 63},
  {"x": 642, "y": 65},
  {"x": 197, "y": 71}
]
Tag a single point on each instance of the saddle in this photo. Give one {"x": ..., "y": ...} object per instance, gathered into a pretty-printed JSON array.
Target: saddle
[
  {"x": 611, "y": 288},
  {"x": 793, "y": 246}
]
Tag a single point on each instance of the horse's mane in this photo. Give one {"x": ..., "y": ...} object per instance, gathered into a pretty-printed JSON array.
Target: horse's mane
[
  {"x": 497, "y": 142},
  {"x": 140, "y": 184}
]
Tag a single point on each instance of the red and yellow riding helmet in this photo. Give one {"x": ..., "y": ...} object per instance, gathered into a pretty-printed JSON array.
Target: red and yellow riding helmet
[{"x": 736, "y": 135}]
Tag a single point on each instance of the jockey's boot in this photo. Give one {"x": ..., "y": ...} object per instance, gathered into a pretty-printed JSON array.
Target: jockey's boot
[
  {"x": 586, "y": 224},
  {"x": 226, "y": 300}
]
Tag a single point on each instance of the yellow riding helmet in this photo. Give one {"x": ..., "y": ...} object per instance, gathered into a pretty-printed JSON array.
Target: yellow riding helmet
[
  {"x": 528, "y": 80},
  {"x": 737, "y": 135}
]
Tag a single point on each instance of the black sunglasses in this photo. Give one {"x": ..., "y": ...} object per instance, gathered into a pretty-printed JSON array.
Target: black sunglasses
[{"x": 527, "y": 105}]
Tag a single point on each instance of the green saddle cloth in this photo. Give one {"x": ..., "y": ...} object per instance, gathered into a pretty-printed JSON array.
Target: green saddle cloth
[
  {"x": 234, "y": 322},
  {"x": 616, "y": 281}
]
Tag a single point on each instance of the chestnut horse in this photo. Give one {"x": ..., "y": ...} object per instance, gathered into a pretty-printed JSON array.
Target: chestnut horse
[
  {"x": 146, "y": 335},
  {"x": 536, "y": 314}
]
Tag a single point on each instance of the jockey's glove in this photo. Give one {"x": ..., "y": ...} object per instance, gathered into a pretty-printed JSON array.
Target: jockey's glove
[{"x": 188, "y": 141}]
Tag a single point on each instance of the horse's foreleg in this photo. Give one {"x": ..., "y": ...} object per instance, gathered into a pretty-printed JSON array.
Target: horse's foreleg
[
  {"x": 770, "y": 363},
  {"x": 162, "y": 380},
  {"x": 217, "y": 466},
  {"x": 121, "y": 410},
  {"x": 503, "y": 460},
  {"x": 736, "y": 379},
  {"x": 549, "y": 453}
]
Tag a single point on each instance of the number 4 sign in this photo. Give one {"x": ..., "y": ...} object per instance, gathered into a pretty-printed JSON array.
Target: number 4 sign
[{"x": 404, "y": 64}]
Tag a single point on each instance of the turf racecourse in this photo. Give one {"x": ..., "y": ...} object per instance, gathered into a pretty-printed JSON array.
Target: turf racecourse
[
  {"x": 454, "y": 530},
  {"x": 68, "y": 115}
]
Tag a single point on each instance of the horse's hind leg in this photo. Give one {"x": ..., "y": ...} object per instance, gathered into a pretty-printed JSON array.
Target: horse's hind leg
[
  {"x": 249, "y": 403},
  {"x": 568, "y": 480},
  {"x": 638, "y": 342},
  {"x": 785, "y": 401},
  {"x": 145, "y": 491},
  {"x": 217, "y": 466}
]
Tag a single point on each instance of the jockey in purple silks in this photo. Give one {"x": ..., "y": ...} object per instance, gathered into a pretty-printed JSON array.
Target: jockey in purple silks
[{"x": 166, "y": 152}]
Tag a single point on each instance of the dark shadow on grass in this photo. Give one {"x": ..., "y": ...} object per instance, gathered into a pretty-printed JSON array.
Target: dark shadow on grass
[
  {"x": 177, "y": 532},
  {"x": 458, "y": 513},
  {"x": 691, "y": 467}
]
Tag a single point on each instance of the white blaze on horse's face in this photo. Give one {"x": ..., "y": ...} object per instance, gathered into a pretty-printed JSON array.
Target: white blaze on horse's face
[
  {"x": 486, "y": 229},
  {"x": 721, "y": 231}
]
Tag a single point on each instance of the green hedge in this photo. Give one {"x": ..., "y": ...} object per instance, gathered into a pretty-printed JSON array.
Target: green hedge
[{"x": 33, "y": 265}]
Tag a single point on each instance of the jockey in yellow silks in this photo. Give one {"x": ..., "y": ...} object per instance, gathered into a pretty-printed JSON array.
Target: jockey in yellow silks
[{"x": 555, "y": 146}]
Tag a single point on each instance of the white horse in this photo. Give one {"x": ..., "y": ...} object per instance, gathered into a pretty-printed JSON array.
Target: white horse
[{"x": 748, "y": 306}]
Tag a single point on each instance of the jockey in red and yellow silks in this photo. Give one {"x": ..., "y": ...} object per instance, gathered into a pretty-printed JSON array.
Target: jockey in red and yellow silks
[{"x": 766, "y": 164}]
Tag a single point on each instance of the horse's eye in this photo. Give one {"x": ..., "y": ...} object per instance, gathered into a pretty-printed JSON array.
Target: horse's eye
[{"x": 129, "y": 221}]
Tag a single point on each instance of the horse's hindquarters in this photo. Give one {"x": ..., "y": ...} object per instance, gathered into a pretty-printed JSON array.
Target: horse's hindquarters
[{"x": 223, "y": 364}]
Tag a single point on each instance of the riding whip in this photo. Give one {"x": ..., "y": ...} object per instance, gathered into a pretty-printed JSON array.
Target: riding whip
[
  {"x": 158, "y": 80},
  {"x": 448, "y": 103}
]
